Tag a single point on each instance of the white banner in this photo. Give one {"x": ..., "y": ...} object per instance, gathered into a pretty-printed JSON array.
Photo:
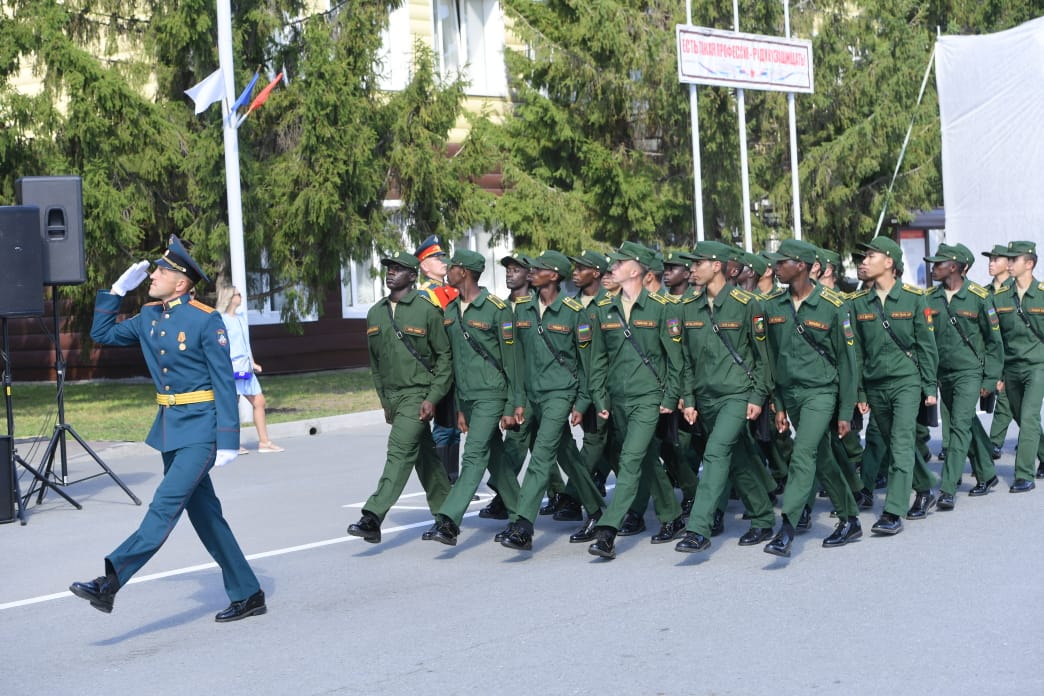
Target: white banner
[
  {"x": 747, "y": 61},
  {"x": 991, "y": 97}
]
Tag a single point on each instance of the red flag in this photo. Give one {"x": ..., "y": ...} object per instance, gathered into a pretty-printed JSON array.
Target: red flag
[{"x": 262, "y": 96}]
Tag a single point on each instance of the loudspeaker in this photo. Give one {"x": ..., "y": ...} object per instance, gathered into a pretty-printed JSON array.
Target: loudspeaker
[
  {"x": 60, "y": 199},
  {"x": 7, "y": 490},
  {"x": 21, "y": 262}
]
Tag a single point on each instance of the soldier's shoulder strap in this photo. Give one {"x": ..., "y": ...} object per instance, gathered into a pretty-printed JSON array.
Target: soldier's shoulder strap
[
  {"x": 858, "y": 293},
  {"x": 430, "y": 296},
  {"x": 497, "y": 302},
  {"x": 659, "y": 298},
  {"x": 522, "y": 299},
  {"x": 833, "y": 297},
  {"x": 200, "y": 306},
  {"x": 977, "y": 290},
  {"x": 740, "y": 295},
  {"x": 672, "y": 299},
  {"x": 1003, "y": 289},
  {"x": 773, "y": 294},
  {"x": 573, "y": 304},
  {"x": 1040, "y": 286},
  {"x": 912, "y": 289},
  {"x": 605, "y": 301},
  {"x": 932, "y": 290}
]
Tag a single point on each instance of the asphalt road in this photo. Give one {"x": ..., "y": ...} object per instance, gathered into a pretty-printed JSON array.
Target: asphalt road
[{"x": 947, "y": 607}]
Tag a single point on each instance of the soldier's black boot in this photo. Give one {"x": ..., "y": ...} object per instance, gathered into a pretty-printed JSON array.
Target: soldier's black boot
[{"x": 604, "y": 545}]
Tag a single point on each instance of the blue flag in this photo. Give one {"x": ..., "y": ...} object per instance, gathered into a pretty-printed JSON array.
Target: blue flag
[{"x": 244, "y": 97}]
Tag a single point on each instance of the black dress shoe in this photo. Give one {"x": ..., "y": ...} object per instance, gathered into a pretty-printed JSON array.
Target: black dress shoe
[
  {"x": 430, "y": 532},
  {"x": 568, "y": 509},
  {"x": 1040, "y": 470},
  {"x": 881, "y": 482},
  {"x": 692, "y": 543},
  {"x": 942, "y": 455},
  {"x": 845, "y": 531},
  {"x": 718, "y": 525},
  {"x": 669, "y": 531},
  {"x": 519, "y": 539},
  {"x": 946, "y": 501},
  {"x": 686, "y": 505},
  {"x": 599, "y": 484},
  {"x": 923, "y": 502},
  {"x": 503, "y": 533},
  {"x": 755, "y": 535},
  {"x": 781, "y": 485},
  {"x": 254, "y": 605},
  {"x": 1022, "y": 485},
  {"x": 983, "y": 487},
  {"x": 587, "y": 531},
  {"x": 780, "y": 544},
  {"x": 633, "y": 523},
  {"x": 368, "y": 527},
  {"x": 887, "y": 524},
  {"x": 447, "y": 533},
  {"x": 550, "y": 506},
  {"x": 604, "y": 545},
  {"x": 495, "y": 510},
  {"x": 865, "y": 499},
  {"x": 995, "y": 451},
  {"x": 100, "y": 592},
  {"x": 804, "y": 522}
]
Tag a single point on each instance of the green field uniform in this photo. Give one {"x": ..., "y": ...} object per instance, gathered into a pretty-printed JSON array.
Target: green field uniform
[
  {"x": 721, "y": 389},
  {"x": 569, "y": 374},
  {"x": 636, "y": 394},
  {"x": 896, "y": 380},
  {"x": 816, "y": 379},
  {"x": 488, "y": 382},
  {"x": 966, "y": 318},
  {"x": 402, "y": 384},
  {"x": 1023, "y": 363}
]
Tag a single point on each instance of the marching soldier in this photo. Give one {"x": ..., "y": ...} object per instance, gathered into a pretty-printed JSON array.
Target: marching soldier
[
  {"x": 967, "y": 333},
  {"x": 412, "y": 371},
  {"x": 998, "y": 270},
  {"x": 196, "y": 428},
  {"x": 894, "y": 335},
  {"x": 488, "y": 382},
  {"x": 728, "y": 379},
  {"x": 812, "y": 342},
  {"x": 1020, "y": 310},
  {"x": 563, "y": 374}
]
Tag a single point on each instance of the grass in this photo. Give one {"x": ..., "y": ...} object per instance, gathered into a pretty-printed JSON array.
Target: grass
[{"x": 124, "y": 410}]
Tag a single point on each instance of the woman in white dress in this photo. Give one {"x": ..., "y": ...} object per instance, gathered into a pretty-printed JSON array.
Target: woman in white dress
[{"x": 243, "y": 365}]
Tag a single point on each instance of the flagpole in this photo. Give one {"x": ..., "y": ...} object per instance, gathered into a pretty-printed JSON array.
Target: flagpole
[{"x": 237, "y": 256}]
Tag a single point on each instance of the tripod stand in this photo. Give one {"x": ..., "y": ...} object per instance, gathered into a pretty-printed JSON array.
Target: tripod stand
[
  {"x": 42, "y": 480},
  {"x": 57, "y": 442}
]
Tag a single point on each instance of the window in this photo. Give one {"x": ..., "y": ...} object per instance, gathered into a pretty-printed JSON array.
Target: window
[
  {"x": 393, "y": 61},
  {"x": 266, "y": 297},
  {"x": 469, "y": 40}
]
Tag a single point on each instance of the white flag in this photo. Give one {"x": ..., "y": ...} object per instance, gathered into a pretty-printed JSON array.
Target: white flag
[{"x": 210, "y": 90}]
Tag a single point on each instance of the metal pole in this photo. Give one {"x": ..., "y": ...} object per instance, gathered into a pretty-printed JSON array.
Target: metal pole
[
  {"x": 741, "y": 107},
  {"x": 237, "y": 256},
  {"x": 697, "y": 170},
  {"x": 792, "y": 119}
]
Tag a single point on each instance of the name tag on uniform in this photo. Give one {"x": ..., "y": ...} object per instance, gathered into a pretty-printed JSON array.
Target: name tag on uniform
[
  {"x": 969, "y": 314},
  {"x": 901, "y": 315},
  {"x": 866, "y": 317},
  {"x": 373, "y": 330},
  {"x": 644, "y": 323},
  {"x": 415, "y": 331},
  {"x": 777, "y": 320},
  {"x": 558, "y": 328},
  {"x": 524, "y": 324},
  {"x": 611, "y": 325},
  {"x": 478, "y": 324},
  {"x": 694, "y": 324},
  {"x": 817, "y": 325},
  {"x": 729, "y": 324}
]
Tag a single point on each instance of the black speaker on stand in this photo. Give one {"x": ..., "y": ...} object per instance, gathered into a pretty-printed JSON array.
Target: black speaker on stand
[
  {"x": 9, "y": 488},
  {"x": 59, "y": 200}
]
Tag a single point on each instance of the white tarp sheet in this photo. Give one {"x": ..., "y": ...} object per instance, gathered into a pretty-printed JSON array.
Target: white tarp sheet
[{"x": 991, "y": 104}]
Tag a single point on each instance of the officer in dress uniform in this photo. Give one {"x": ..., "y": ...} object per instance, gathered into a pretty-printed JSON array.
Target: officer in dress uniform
[
  {"x": 1020, "y": 310},
  {"x": 412, "y": 370},
  {"x": 432, "y": 259},
  {"x": 894, "y": 335},
  {"x": 185, "y": 346}
]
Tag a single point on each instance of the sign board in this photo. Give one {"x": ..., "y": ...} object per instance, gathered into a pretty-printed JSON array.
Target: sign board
[{"x": 745, "y": 61}]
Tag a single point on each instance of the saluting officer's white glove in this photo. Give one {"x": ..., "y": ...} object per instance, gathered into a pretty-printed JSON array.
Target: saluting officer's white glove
[
  {"x": 130, "y": 279},
  {"x": 223, "y": 457}
]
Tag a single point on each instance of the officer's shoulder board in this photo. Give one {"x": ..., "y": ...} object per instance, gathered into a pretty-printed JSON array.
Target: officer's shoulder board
[
  {"x": 522, "y": 299},
  {"x": 1003, "y": 289},
  {"x": 772, "y": 294},
  {"x": 858, "y": 293},
  {"x": 497, "y": 302},
  {"x": 741, "y": 296},
  {"x": 672, "y": 299},
  {"x": 1040, "y": 286},
  {"x": 430, "y": 296},
  {"x": 659, "y": 298},
  {"x": 833, "y": 297},
  {"x": 573, "y": 304},
  {"x": 912, "y": 289},
  {"x": 200, "y": 306},
  {"x": 977, "y": 290},
  {"x": 605, "y": 301},
  {"x": 932, "y": 290}
]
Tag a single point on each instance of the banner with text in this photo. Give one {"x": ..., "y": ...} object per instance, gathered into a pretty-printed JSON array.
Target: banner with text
[{"x": 746, "y": 61}]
